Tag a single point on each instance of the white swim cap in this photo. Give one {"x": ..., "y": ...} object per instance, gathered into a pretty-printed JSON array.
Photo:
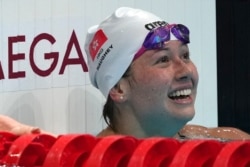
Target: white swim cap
[{"x": 111, "y": 45}]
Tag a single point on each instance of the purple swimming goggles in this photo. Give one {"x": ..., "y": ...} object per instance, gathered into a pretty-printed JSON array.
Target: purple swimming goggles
[{"x": 156, "y": 37}]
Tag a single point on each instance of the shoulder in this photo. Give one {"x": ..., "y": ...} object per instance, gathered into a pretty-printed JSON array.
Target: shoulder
[
  {"x": 106, "y": 132},
  {"x": 221, "y": 133}
]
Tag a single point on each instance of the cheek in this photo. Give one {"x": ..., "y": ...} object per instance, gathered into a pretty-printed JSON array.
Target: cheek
[{"x": 152, "y": 81}]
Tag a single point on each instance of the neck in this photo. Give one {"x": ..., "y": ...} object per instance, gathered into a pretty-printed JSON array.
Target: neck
[{"x": 127, "y": 123}]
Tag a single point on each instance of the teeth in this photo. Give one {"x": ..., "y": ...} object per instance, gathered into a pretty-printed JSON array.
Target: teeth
[{"x": 184, "y": 92}]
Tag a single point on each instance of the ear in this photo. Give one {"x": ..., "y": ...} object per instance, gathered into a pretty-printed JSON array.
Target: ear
[{"x": 117, "y": 93}]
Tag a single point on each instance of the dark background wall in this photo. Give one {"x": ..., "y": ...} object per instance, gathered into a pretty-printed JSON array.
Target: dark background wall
[{"x": 233, "y": 63}]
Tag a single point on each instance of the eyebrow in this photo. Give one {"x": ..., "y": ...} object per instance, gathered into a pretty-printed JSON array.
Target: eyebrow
[
  {"x": 168, "y": 48},
  {"x": 155, "y": 54}
]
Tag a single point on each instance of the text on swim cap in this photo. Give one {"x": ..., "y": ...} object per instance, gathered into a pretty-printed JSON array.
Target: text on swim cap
[
  {"x": 104, "y": 56},
  {"x": 155, "y": 24}
]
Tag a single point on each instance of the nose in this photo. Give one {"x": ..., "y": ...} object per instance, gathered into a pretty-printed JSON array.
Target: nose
[{"x": 183, "y": 70}]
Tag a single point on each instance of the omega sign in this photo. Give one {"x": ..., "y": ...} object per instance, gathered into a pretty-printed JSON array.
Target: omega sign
[{"x": 14, "y": 57}]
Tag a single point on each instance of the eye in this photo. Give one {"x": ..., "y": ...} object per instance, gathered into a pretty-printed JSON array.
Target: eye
[
  {"x": 186, "y": 56},
  {"x": 163, "y": 59}
]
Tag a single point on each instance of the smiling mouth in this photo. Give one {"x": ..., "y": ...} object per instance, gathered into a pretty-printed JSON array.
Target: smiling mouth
[{"x": 180, "y": 94}]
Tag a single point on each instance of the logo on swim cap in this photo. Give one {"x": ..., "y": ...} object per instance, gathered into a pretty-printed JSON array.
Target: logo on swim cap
[{"x": 99, "y": 39}]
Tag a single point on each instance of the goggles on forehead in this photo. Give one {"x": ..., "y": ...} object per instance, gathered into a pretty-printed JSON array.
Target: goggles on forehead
[{"x": 157, "y": 37}]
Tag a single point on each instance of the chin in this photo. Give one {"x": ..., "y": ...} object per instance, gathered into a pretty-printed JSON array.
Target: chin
[
  {"x": 186, "y": 115},
  {"x": 190, "y": 116}
]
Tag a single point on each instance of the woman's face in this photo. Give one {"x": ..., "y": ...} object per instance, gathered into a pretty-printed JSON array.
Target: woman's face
[{"x": 163, "y": 84}]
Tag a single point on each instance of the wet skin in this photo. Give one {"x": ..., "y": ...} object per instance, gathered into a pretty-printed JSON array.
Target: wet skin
[{"x": 163, "y": 86}]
